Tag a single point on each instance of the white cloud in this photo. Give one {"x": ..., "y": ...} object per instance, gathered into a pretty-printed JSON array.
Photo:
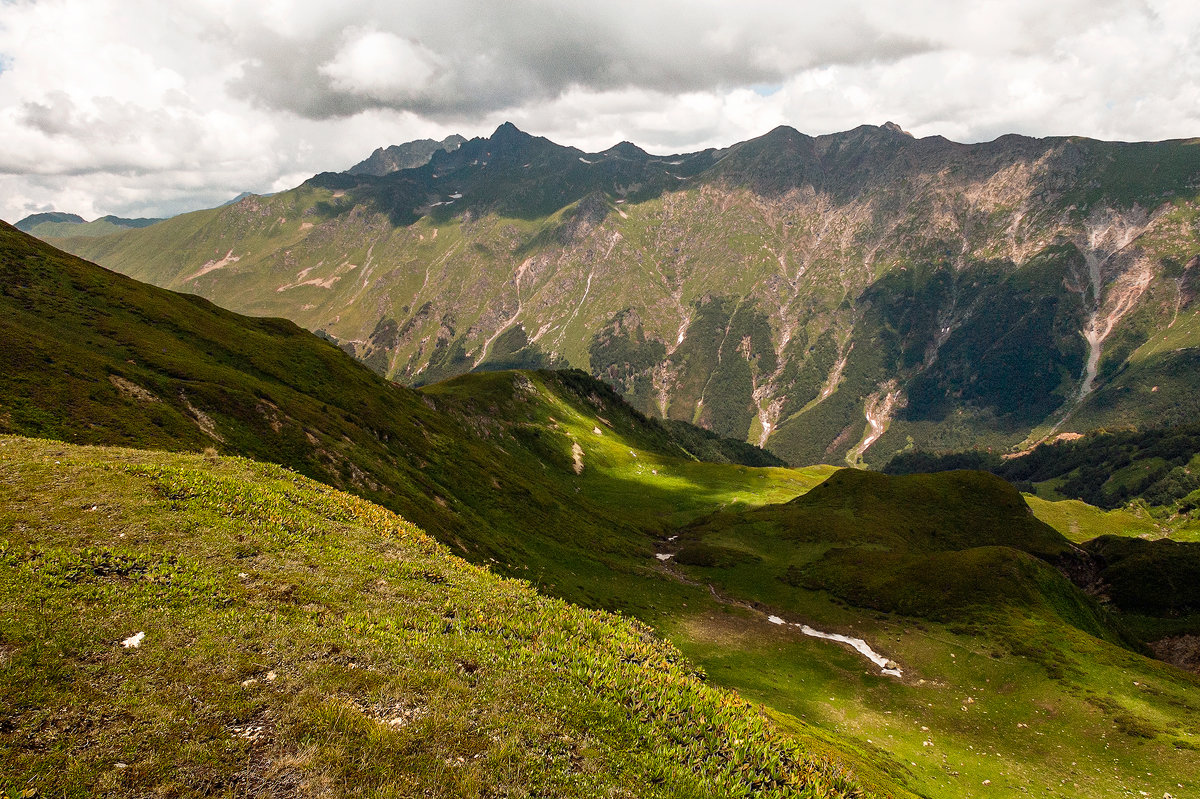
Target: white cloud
[
  {"x": 380, "y": 65},
  {"x": 144, "y": 108}
]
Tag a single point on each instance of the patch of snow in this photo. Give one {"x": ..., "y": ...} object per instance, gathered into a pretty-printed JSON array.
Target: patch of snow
[
  {"x": 886, "y": 666},
  {"x": 584, "y": 160},
  {"x": 597, "y": 431},
  {"x": 133, "y": 641},
  {"x": 455, "y": 196},
  {"x": 775, "y": 620},
  {"x": 664, "y": 555}
]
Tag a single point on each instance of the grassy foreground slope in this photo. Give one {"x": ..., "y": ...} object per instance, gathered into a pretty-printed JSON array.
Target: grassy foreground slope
[
  {"x": 547, "y": 476},
  {"x": 183, "y": 625}
]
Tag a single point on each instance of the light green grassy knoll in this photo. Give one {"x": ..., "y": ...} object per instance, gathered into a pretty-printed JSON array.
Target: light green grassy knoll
[
  {"x": 1081, "y": 522},
  {"x": 295, "y": 639}
]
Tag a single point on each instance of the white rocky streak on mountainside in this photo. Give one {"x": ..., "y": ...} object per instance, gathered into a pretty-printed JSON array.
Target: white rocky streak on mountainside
[
  {"x": 879, "y": 408},
  {"x": 215, "y": 264},
  {"x": 1107, "y": 234}
]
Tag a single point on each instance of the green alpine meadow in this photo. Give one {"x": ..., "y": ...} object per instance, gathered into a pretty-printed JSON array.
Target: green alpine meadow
[{"x": 236, "y": 560}]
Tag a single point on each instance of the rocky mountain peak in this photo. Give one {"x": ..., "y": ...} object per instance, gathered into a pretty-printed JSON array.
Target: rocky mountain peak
[
  {"x": 626, "y": 149},
  {"x": 409, "y": 155}
]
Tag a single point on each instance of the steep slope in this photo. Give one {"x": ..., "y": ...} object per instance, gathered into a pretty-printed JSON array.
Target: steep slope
[
  {"x": 830, "y": 297},
  {"x": 94, "y": 357},
  {"x": 214, "y": 626},
  {"x": 553, "y": 478}
]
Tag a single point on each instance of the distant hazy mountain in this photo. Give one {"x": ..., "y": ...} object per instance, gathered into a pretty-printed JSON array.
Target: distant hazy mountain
[
  {"x": 835, "y": 298},
  {"x": 55, "y": 224},
  {"x": 404, "y": 156},
  {"x": 33, "y": 220}
]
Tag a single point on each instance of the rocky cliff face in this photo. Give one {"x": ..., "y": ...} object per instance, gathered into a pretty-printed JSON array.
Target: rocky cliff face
[
  {"x": 409, "y": 155},
  {"x": 835, "y": 298}
]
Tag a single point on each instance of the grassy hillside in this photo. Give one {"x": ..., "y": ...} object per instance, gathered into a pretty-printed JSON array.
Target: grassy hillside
[
  {"x": 552, "y": 478},
  {"x": 1010, "y": 673},
  {"x": 197, "y": 626},
  {"x": 1151, "y": 474},
  {"x": 94, "y": 357},
  {"x": 950, "y": 547}
]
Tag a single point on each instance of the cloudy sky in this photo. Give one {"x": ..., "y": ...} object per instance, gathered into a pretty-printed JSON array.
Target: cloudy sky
[{"x": 154, "y": 107}]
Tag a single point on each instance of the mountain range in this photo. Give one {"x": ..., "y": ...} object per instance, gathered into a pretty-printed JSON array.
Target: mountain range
[{"x": 838, "y": 298}]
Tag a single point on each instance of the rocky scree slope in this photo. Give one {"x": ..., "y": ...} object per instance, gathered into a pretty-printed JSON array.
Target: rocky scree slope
[{"x": 833, "y": 298}]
